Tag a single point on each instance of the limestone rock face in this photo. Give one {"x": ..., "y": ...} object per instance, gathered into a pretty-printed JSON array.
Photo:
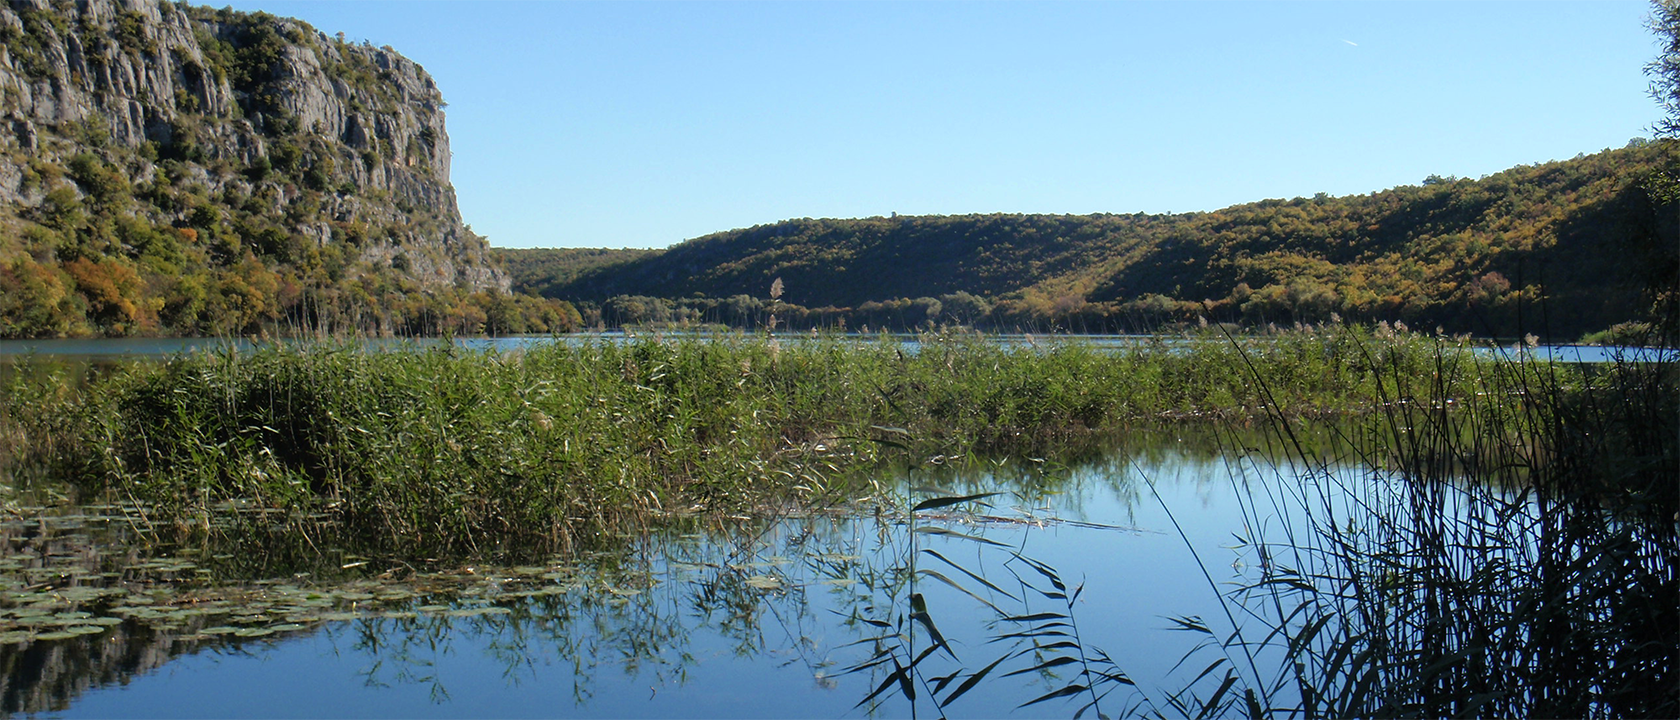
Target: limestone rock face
[{"x": 346, "y": 142}]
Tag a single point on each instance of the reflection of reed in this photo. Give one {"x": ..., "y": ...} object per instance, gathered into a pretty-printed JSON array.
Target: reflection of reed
[
  {"x": 47, "y": 676},
  {"x": 1392, "y": 556},
  {"x": 1518, "y": 559},
  {"x": 1509, "y": 551}
]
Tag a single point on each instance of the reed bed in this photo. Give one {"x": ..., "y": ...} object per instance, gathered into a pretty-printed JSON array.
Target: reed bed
[
  {"x": 1505, "y": 543},
  {"x": 442, "y": 450}
]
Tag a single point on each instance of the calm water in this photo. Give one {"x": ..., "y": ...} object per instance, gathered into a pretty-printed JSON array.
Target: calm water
[
  {"x": 759, "y": 619},
  {"x": 108, "y": 349},
  {"x": 749, "y": 617}
]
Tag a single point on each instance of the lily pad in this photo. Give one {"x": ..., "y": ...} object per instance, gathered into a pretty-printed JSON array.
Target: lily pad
[
  {"x": 342, "y": 616},
  {"x": 478, "y": 611},
  {"x": 58, "y": 635},
  {"x": 764, "y": 582}
]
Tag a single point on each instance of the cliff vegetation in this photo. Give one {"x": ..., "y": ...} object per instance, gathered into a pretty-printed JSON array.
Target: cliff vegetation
[{"x": 173, "y": 169}]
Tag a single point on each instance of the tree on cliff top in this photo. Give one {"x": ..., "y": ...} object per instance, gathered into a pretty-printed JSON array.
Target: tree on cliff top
[{"x": 1665, "y": 69}]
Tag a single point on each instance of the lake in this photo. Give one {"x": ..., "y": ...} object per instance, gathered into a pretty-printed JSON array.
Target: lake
[
  {"x": 109, "y": 349},
  {"x": 759, "y": 618},
  {"x": 1403, "y": 562}
]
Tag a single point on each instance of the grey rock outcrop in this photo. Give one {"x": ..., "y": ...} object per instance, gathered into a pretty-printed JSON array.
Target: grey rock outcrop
[{"x": 227, "y": 95}]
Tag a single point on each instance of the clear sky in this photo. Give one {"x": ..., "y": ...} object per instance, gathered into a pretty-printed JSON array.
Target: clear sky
[{"x": 641, "y": 124}]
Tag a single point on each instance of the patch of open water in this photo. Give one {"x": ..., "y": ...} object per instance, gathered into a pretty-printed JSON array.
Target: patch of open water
[{"x": 110, "y": 349}]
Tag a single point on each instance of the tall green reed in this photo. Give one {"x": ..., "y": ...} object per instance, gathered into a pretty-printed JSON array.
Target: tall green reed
[{"x": 440, "y": 449}]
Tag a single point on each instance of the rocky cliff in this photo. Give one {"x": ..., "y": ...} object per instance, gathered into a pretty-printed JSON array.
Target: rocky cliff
[{"x": 175, "y": 169}]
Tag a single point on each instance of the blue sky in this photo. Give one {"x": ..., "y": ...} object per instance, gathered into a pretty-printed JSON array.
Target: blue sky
[{"x": 641, "y": 124}]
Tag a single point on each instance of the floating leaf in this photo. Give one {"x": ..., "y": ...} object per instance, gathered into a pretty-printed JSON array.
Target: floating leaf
[
  {"x": 342, "y": 616},
  {"x": 477, "y": 612},
  {"x": 764, "y": 582}
]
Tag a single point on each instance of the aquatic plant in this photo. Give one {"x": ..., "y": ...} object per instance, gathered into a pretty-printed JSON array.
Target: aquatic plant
[
  {"x": 443, "y": 450},
  {"x": 1509, "y": 552},
  {"x": 1497, "y": 539}
]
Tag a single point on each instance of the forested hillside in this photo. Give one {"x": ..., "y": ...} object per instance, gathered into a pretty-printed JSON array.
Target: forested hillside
[
  {"x": 545, "y": 271},
  {"x": 1555, "y": 249},
  {"x": 173, "y": 169}
]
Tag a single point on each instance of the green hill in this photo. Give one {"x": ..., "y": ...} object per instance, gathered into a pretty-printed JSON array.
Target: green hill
[
  {"x": 1555, "y": 249},
  {"x": 545, "y": 271}
]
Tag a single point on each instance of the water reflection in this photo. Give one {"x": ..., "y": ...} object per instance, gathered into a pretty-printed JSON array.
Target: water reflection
[
  {"x": 1054, "y": 593},
  {"x": 681, "y": 623}
]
